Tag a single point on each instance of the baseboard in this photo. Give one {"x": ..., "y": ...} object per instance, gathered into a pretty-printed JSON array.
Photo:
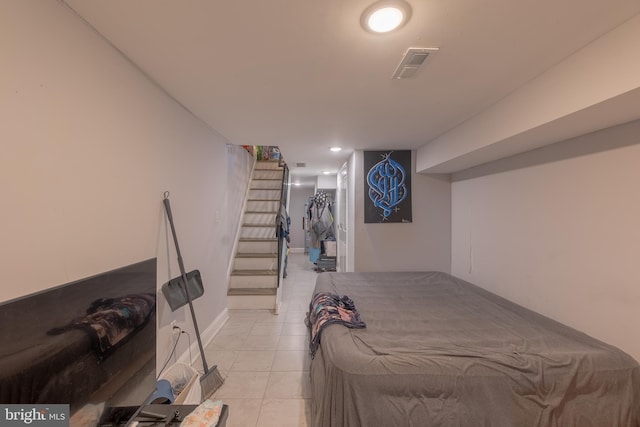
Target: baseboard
[
  {"x": 207, "y": 336},
  {"x": 210, "y": 333}
]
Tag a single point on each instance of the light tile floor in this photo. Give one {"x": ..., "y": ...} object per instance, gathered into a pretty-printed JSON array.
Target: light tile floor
[{"x": 264, "y": 357}]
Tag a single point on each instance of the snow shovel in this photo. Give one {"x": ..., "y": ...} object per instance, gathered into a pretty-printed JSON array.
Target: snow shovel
[
  {"x": 174, "y": 291},
  {"x": 211, "y": 380}
]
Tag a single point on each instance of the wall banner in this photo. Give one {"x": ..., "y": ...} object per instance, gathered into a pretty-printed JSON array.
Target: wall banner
[{"x": 387, "y": 186}]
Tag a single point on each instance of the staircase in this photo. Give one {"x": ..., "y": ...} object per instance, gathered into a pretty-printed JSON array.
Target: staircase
[{"x": 254, "y": 278}]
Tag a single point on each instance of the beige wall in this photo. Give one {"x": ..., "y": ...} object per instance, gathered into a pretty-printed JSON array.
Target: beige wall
[
  {"x": 558, "y": 231},
  {"x": 421, "y": 245},
  {"x": 89, "y": 145}
]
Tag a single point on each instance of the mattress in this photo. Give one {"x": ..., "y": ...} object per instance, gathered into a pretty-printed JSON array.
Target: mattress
[{"x": 439, "y": 351}]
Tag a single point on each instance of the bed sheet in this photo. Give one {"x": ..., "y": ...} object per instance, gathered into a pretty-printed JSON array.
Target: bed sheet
[{"x": 438, "y": 351}]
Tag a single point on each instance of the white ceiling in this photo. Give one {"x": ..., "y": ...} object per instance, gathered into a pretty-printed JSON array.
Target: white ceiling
[{"x": 304, "y": 76}]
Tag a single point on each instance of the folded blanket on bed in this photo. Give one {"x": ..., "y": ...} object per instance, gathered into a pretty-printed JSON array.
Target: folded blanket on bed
[
  {"x": 326, "y": 309},
  {"x": 110, "y": 320}
]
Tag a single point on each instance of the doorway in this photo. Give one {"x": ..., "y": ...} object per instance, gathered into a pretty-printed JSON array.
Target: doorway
[{"x": 342, "y": 209}]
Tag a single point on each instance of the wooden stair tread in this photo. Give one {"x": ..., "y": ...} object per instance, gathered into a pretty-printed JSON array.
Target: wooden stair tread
[
  {"x": 251, "y": 291},
  {"x": 256, "y": 255},
  {"x": 254, "y": 273},
  {"x": 258, "y": 239},
  {"x": 261, "y": 212}
]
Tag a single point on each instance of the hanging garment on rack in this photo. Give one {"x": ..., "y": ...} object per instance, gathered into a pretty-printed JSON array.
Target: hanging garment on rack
[
  {"x": 283, "y": 223},
  {"x": 320, "y": 218},
  {"x": 314, "y": 254},
  {"x": 320, "y": 214}
]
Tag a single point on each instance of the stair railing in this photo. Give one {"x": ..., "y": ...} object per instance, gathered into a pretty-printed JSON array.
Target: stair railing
[{"x": 283, "y": 203}]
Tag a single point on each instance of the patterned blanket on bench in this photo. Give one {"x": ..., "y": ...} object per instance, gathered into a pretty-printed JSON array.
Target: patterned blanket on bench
[{"x": 109, "y": 321}]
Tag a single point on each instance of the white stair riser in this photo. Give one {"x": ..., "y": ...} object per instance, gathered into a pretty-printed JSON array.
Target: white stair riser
[
  {"x": 262, "y": 206},
  {"x": 258, "y": 232},
  {"x": 269, "y": 247},
  {"x": 266, "y": 184},
  {"x": 266, "y": 219},
  {"x": 271, "y": 195},
  {"x": 267, "y": 174},
  {"x": 253, "y": 282},
  {"x": 255, "y": 264},
  {"x": 251, "y": 302}
]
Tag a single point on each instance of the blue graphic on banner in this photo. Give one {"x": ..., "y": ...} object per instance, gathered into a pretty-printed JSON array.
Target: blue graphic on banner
[{"x": 387, "y": 187}]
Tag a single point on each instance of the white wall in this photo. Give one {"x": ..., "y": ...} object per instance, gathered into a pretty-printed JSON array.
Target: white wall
[
  {"x": 558, "y": 231},
  {"x": 596, "y": 87},
  {"x": 421, "y": 245},
  {"x": 326, "y": 182},
  {"x": 89, "y": 145},
  {"x": 239, "y": 169}
]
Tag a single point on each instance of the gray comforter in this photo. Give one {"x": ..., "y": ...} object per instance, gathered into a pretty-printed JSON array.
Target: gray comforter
[{"x": 438, "y": 351}]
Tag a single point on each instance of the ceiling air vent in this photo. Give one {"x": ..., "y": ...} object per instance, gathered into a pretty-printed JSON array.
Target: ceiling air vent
[
  {"x": 301, "y": 165},
  {"x": 413, "y": 58}
]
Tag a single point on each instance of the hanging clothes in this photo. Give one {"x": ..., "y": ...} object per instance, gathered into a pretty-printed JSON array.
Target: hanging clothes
[
  {"x": 314, "y": 255},
  {"x": 283, "y": 223},
  {"x": 320, "y": 223}
]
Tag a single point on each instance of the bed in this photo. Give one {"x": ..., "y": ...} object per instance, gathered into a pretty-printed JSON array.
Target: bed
[{"x": 438, "y": 351}]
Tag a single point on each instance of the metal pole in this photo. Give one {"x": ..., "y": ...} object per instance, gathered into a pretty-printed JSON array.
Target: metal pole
[{"x": 167, "y": 206}]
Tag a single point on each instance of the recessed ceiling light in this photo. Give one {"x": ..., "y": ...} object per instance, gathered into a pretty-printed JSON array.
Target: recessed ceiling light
[
  {"x": 335, "y": 149},
  {"x": 385, "y": 16}
]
